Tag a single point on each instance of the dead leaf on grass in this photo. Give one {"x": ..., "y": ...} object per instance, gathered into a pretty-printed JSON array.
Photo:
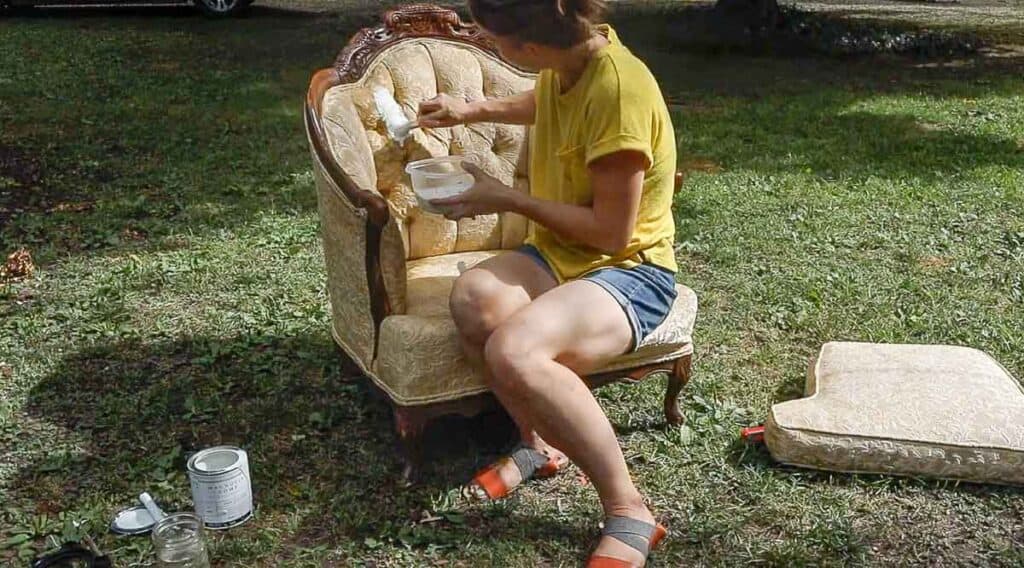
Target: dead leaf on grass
[
  {"x": 18, "y": 265},
  {"x": 71, "y": 207},
  {"x": 133, "y": 234},
  {"x": 934, "y": 262},
  {"x": 698, "y": 164}
]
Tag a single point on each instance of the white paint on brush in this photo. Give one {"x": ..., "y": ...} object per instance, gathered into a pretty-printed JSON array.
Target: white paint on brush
[{"x": 397, "y": 124}]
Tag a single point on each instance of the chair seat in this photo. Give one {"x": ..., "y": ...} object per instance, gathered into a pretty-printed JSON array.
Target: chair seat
[
  {"x": 419, "y": 360},
  {"x": 922, "y": 410}
]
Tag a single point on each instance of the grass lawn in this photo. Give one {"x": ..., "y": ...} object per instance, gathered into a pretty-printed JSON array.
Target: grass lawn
[{"x": 154, "y": 164}]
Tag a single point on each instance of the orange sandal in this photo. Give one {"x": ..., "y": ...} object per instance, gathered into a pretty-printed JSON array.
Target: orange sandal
[
  {"x": 531, "y": 464},
  {"x": 644, "y": 537}
]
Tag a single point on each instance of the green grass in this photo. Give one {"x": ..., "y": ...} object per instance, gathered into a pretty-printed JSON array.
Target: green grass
[{"x": 180, "y": 301}]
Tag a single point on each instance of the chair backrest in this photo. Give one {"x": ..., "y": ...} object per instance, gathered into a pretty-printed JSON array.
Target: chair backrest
[{"x": 414, "y": 69}]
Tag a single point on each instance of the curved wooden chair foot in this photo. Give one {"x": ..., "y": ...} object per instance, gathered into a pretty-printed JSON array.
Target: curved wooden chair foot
[
  {"x": 409, "y": 425},
  {"x": 680, "y": 375}
]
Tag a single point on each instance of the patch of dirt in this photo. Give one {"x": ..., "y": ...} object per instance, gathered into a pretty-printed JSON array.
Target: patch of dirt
[
  {"x": 72, "y": 206},
  {"x": 1005, "y": 51},
  {"x": 18, "y": 167},
  {"x": 22, "y": 187},
  {"x": 19, "y": 174},
  {"x": 698, "y": 164}
]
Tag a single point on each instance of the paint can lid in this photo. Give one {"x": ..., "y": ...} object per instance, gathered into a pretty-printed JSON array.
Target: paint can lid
[
  {"x": 132, "y": 521},
  {"x": 215, "y": 460}
]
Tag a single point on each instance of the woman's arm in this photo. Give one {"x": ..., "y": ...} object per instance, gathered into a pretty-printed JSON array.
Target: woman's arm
[
  {"x": 606, "y": 225},
  {"x": 445, "y": 111}
]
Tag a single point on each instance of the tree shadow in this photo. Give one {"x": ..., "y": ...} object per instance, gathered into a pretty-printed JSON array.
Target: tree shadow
[
  {"x": 320, "y": 443},
  {"x": 316, "y": 436},
  {"x": 204, "y": 131},
  {"x": 693, "y": 49},
  {"x": 739, "y": 26},
  {"x": 549, "y": 535},
  {"x": 211, "y": 135}
]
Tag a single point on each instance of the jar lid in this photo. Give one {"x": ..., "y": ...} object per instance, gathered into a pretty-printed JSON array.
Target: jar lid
[{"x": 133, "y": 521}]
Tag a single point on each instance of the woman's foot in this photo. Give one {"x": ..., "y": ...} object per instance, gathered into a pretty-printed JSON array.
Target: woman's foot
[
  {"x": 526, "y": 462},
  {"x": 628, "y": 535}
]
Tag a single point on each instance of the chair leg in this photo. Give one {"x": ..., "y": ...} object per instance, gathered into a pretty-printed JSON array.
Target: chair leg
[
  {"x": 676, "y": 381},
  {"x": 409, "y": 425}
]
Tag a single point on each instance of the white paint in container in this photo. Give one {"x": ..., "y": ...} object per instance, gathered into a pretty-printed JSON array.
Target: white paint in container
[{"x": 221, "y": 486}]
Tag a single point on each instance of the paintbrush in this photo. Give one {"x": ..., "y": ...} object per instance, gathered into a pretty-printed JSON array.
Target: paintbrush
[{"x": 398, "y": 126}]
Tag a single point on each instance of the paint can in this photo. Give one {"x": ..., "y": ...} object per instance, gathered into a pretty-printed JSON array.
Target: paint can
[{"x": 221, "y": 486}]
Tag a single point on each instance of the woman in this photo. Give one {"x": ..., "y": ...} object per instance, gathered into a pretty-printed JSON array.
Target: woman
[{"x": 597, "y": 273}]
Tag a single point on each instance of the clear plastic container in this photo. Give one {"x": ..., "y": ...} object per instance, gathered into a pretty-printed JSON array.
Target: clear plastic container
[
  {"x": 437, "y": 178},
  {"x": 178, "y": 541}
]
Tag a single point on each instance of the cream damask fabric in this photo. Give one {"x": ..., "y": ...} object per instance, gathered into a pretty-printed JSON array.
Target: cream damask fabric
[
  {"x": 431, "y": 280},
  {"x": 416, "y": 70},
  {"x": 419, "y": 360},
  {"x": 935, "y": 411},
  {"x": 343, "y": 230}
]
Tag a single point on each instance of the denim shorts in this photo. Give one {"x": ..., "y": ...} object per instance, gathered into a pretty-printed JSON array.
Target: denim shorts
[{"x": 645, "y": 292}]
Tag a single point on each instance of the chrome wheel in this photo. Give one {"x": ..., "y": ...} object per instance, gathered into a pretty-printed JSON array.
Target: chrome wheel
[{"x": 221, "y": 7}]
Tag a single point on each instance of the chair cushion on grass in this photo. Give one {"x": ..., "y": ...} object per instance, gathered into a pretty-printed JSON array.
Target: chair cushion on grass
[
  {"x": 919, "y": 410},
  {"x": 419, "y": 360}
]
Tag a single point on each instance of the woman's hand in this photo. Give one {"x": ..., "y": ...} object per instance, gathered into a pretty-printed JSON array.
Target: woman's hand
[
  {"x": 443, "y": 111},
  {"x": 487, "y": 196}
]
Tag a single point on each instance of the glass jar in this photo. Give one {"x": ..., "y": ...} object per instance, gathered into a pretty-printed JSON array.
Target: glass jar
[{"x": 178, "y": 540}]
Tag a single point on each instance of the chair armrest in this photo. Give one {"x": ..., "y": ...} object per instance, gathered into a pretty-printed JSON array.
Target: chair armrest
[
  {"x": 363, "y": 247},
  {"x": 361, "y": 198}
]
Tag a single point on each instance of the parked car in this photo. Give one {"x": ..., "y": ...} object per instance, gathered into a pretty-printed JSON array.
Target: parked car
[{"x": 215, "y": 8}]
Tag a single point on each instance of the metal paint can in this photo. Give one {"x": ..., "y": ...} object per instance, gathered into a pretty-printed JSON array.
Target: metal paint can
[{"x": 221, "y": 486}]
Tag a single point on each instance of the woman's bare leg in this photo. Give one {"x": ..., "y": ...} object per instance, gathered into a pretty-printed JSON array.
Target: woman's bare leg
[
  {"x": 484, "y": 297},
  {"x": 535, "y": 358}
]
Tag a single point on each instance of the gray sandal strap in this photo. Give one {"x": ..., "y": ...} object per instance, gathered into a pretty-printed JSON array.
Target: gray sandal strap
[
  {"x": 528, "y": 460},
  {"x": 631, "y": 532}
]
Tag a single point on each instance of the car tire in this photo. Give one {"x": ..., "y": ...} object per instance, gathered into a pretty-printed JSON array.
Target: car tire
[{"x": 223, "y": 8}]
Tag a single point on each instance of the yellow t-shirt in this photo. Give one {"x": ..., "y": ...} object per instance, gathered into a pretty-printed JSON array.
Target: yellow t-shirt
[{"x": 615, "y": 105}]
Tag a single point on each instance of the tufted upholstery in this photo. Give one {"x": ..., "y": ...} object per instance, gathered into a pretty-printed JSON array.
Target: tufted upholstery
[
  {"x": 417, "y": 70},
  {"x": 414, "y": 356},
  {"x": 413, "y": 70},
  {"x": 931, "y": 410}
]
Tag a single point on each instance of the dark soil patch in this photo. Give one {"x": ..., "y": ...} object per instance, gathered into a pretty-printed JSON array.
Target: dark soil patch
[
  {"x": 22, "y": 187},
  {"x": 796, "y": 32},
  {"x": 20, "y": 175},
  {"x": 839, "y": 37}
]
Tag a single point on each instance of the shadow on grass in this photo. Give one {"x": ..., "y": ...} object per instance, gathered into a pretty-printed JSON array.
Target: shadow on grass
[
  {"x": 209, "y": 134},
  {"x": 696, "y": 53},
  {"x": 316, "y": 436}
]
